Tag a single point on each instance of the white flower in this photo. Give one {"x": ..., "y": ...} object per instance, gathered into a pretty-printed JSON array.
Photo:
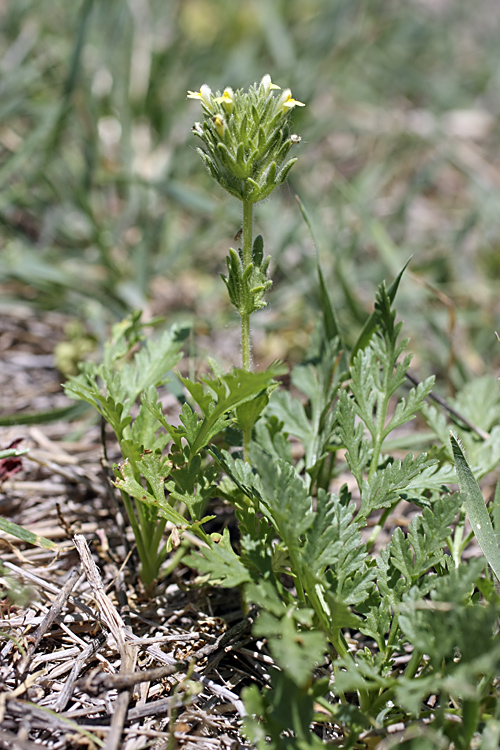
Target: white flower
[
  {"x": 267, "y": 85},
  {"x": 286, "y": 101},
  {"x": 204, "y": 94}
]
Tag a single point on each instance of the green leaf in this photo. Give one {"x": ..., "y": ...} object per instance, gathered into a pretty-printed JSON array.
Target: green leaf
[
  {"x": 428, "y": 533},
  {"x": 402, "y": 554},
  {"x": 192, "y": 424},
  {"x": 284, "y": 497},
  {"x": 296, "y": 651},
  {"x": 66, "y": 413},
  {"x": 175, "y": 433},
  {"x": 153, "y": 361},
  {"x": 230, "y": 391},
  {"x": 447, "y": 628},
  {"x": 113, "y": 387},
  {"x": 333, "y": 541},
  {"x": 291, "y": 413},
  {"x": 219, "y": 560},
  {"x": 286, "y": 706},
  {"x": 13, "y": 452},
  {"x": 193, "y": 483},
  {"x": 86, "y": 388},
  {"x": 377, "y": 622},
  {"x": 371, "y": 323},
  {"x": 496, "y": 511},
  {"x": 358, "y": 448},
  {"x": 155, "y": 470},
  {"x": 248, "y": 413},
  {"x": 319, "y": 382},
  {"x": 270, "y": 436},
  {"x": 479, "y": 402},
  {"x": 144, "y": 429},
  {"x": 475, "y": 508},
  {"x": 368, "y": 673},
  {"x": 386, "y": 486},
  {"x": 427, "y": 536},
  {"x": 406, "y": 410}
]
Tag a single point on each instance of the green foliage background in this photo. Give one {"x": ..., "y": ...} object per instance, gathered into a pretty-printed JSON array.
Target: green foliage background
[{"x": 103, "y": 204}]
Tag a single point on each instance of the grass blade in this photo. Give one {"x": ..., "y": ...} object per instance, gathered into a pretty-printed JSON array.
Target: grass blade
[
  {"x": 27, "y": 536},
  {"x": 475, "y": 508},
  {"x": 330, "y": 324},
  {"x": 68, "y": 413}
]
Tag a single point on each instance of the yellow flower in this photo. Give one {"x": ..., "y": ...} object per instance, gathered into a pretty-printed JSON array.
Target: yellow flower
[
  {"x": 267, "y": 84},
  {"x": 286, "y": 101},
  {"x": 227, "y": 99},
  {"x": 220, "y": 124},
  {"x": 204, "y": 94}
]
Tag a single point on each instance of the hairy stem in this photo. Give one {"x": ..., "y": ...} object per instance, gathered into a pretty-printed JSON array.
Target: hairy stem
[
  {"x": 246, "y": 344},
  {"x": 246, "y": 347}
]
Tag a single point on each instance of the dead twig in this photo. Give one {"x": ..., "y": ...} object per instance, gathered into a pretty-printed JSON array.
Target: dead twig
[
  {"x": 454, "y": 413},
  {"x": 117, "y": 627},
  {"x": 46, "y": 624}
]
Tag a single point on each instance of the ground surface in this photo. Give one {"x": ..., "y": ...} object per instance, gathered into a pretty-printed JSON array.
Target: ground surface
[{"x": 64, "y": 640}]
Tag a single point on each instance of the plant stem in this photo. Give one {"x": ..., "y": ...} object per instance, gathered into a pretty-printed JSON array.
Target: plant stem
[
  {"x": 246, "y": 348},
  {"x": 246, "y": 344}
]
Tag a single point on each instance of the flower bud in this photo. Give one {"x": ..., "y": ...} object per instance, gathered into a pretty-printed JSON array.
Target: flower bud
[
  {"x": 227, "y": 99},
  {"x": 197, "y": 129},
  {"x": 220, "y": 125}
]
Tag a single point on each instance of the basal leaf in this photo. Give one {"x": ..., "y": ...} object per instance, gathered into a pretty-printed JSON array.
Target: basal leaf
[
  {"x": 284, "y": 497},
  {"x": 229, "y": 392},
  {"x": 128, "y": 483},
  {"x": 296, "y": 651},
  {"x": 222, "y": 564},
  {"x": 358, "y": 448},
  {"x": 406, "y": 410},
  {"x": 153, "y": 362},
  {"x": 291, "y": 413},
  {"x": 386, "y": 485}
]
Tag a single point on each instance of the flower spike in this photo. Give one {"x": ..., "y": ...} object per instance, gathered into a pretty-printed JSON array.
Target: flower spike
[{"x": 246, "y": 137}]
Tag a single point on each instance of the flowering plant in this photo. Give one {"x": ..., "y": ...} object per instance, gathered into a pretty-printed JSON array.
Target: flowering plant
[
  {"x": 246, "y": 137},
  {"x": 359, "y": 634}
]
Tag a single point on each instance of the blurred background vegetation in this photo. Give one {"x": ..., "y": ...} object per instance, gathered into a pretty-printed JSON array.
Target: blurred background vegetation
[{"x": 105, "y": 205}]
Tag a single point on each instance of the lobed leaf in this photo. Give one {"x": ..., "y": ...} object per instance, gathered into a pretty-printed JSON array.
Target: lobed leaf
[{"x": 220, "y": 562}]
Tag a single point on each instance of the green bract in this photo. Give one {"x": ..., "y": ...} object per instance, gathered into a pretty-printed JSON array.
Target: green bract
[{"x": 247, "y": 138}]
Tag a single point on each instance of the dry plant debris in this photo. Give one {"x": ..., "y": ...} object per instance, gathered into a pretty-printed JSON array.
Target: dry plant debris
[{"x": 85, "y": 659}]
